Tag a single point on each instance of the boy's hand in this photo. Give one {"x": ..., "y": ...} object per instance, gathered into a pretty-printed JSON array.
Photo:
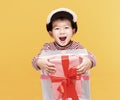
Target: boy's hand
[
  {"x": 44, "y": 64},
  {"x": 84, "y": 66}
]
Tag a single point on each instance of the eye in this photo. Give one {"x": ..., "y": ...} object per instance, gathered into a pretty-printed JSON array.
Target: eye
[
  {"x": 56, "y": 28},
  {"x": 66, "y": 27}
]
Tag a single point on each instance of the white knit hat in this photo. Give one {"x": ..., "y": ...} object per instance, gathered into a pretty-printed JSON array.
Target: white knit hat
[{"x": 61, "y": 9}]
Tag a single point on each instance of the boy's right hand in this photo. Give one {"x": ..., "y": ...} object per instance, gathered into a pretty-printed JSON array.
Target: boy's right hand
[{"x": 44, "y": 64}]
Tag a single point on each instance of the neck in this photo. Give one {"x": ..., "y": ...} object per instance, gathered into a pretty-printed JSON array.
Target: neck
[{"x": 62, "y": 47}]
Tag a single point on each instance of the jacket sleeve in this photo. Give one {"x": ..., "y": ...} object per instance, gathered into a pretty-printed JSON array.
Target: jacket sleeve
[
  {"x": 91, "y": 56},
  {"x": 34, "y": 60}
]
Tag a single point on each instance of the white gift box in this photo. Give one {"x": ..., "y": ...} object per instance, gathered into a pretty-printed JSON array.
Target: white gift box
[{"x": 49, "y": 89}]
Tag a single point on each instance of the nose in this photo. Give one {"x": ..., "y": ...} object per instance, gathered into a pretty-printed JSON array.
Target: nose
[{"x": 62, "y": 31}]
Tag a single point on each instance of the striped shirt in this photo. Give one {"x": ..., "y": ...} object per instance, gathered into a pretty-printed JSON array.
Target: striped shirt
[{"x": 55, "y": 46}]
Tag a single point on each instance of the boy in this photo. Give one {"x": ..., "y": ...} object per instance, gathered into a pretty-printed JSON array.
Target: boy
[{"x": 62, "y": 25}]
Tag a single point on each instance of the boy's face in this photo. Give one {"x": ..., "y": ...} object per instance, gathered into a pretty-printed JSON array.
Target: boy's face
[{"x": 62, "y": 31}]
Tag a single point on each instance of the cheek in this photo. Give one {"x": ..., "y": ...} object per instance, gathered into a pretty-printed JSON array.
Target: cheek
[
  {"x": 55, "y": 32},
  {"x": 70, "y": 33},
  {"x": 55, "y": 35}
]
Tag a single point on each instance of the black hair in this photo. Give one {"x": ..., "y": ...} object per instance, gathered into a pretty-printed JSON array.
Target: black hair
[{"x": 61, "y": 15}]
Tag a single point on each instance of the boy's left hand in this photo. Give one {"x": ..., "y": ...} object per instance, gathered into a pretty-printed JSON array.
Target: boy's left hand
[{"x": 84, "y": 66}]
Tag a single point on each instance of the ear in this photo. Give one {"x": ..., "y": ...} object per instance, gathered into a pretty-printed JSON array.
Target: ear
[
  {"x": 50, "y": 32},
  {"x": 73, "y": 30}
]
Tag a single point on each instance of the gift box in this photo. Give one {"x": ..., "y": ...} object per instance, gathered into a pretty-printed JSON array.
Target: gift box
[{"x": 65, "y": 83}]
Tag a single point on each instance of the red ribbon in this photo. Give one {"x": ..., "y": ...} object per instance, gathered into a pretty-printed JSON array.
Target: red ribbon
[{"x": 67, "y": 87}]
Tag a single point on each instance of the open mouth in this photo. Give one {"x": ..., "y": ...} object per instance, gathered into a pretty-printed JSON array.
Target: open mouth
[{"x": 62, "y": 38}]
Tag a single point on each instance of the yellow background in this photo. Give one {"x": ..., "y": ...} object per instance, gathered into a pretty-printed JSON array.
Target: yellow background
[{"x": 23, "y": 32}]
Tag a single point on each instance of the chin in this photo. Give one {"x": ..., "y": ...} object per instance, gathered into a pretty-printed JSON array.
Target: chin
[{"x": 63, "y": 44}]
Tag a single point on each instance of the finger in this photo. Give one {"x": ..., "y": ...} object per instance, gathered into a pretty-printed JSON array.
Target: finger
[
  {"x": 50, "y": 67},
  {"x": 50, "y": 70},
  {"x": 80, "y": 66},
  {"x": 50, "y": 64},
  {"x": 82, "y": 70}
]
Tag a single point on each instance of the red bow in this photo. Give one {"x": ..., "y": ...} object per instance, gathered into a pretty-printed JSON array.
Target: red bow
[{"x": 67, "y": 87}]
